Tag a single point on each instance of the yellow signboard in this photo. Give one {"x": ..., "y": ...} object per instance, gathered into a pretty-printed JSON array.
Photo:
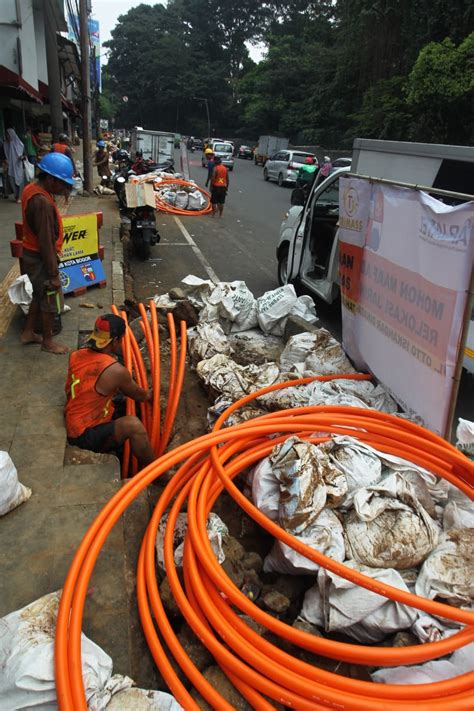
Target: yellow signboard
[{"x": 81, "y": 236}]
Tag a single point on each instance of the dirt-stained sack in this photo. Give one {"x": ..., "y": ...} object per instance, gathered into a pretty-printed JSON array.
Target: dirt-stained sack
[{"x": 448, "y": 572}]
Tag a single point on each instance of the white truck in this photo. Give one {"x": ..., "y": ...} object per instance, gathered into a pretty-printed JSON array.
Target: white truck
[
  {"x": 157, "y": 146},
  {"x": 268, "y": 146},
  {"x": 307, "y": 251}
]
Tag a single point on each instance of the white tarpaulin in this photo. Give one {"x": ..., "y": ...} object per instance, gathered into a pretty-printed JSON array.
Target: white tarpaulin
[{"x": 405, "y": 266}]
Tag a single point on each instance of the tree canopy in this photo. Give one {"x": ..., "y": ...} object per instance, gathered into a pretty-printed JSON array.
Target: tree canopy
[{"x": 332, "y": 69}]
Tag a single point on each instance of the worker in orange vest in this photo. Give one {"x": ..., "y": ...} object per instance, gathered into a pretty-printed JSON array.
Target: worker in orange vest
[
  {"x": 42, "y": 242},
  {"x": 95, "y": 376},
  {"x": 63, "y": 146},
  {"x": 219, "y": 186}
]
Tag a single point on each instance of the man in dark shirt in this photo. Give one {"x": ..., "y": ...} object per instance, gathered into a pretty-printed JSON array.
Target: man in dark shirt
[{"x": 42, "y": 241}]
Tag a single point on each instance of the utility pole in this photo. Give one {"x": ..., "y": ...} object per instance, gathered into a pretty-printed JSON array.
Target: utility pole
[
  {"x": 86, "y": 94},
  {"x": 54, "y": 77}
]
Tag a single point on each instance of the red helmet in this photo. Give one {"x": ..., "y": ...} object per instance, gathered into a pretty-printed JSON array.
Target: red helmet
[{"x": 310, "y": 160}]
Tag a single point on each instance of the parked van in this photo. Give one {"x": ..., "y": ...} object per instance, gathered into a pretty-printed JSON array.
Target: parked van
[{"x": 307, "y": 251}]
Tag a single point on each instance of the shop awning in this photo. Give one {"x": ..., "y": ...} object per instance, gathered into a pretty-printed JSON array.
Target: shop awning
[
  {"x": 15, "y": 87},
  {"x": 69, "y": 57}
]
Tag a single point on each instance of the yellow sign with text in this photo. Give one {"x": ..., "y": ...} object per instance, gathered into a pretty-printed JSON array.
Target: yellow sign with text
[{"x": 81, "y": 236}]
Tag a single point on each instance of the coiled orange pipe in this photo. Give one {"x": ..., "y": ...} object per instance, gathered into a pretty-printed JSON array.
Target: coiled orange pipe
[
  {"x": 257, "y": 667},
  {"x": 172, "y": 209}
]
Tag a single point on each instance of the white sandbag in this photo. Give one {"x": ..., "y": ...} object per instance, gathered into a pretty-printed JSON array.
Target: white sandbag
[
  {"x": 20, "y": 292},
  {"x": 388, "y": 527},
  {"x": 337, "y": 604},
  {"x": 448, "y": 572},
  {"x": 27, "y": 661},
  {"x": 461, "y": 661},
  {"x": 315, "y": 354},
  {"x": 274, "y": 307},
  {"x": 253, "y": 346},
  {"x": 12, "y": 492},
  {"x": 362, "y": 392},
  {"x": 360, "y": 466},
  {"x": 198, "y": 290},
  {"x": 206, "y": 340},
  {"x": 432, "y": 629},
  {"x": 308, "y": 482},
  {"x": 227, "y": 377},
  {"x": 182, "y": 199},
  {"x": 465, "y": 437},
  {"x": 324, "y": 534},
  {"x": 216, "y": 531},
  {"x": 459, "y": 510},
  {"x": 196, "y": 200},
  {"x": 265, "y": 489},
  {"x": 143, "y": 700},
  {"x": 242, "y": 414},
  {"x": 305, "y": 309},
  {"x": 169, "y": 196},
  {"x": 233, "y": 304},
  {"x": 286, "y": 398}
]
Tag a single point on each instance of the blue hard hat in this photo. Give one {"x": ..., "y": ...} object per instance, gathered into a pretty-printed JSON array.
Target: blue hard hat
[
  {"x": 100, "y": 144},
  {"x": 59, "y": 166}
]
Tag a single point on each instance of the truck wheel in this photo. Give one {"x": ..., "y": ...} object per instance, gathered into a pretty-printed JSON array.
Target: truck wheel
[
  {"x": 265, "y": 174},
  {"x": 281, "y": 182},
  {"x": 283, "y": 265}
]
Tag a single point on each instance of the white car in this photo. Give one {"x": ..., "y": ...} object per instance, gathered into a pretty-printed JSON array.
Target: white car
[{"x": 284, "y": 165}]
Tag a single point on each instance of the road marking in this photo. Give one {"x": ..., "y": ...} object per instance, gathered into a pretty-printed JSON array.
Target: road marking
[{"x": 207, "y": 267}]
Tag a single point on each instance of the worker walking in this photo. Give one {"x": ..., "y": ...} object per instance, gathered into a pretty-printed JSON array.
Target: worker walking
[
  {"x": 42, "y": 241},
  {"x": 219, "y": 186},
  {"x": 63, "y": 146},
  {"x": 94, "y": 377}
]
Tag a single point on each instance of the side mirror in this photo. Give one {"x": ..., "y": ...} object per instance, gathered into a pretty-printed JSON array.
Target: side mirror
[{"x": 297, "y": 197}]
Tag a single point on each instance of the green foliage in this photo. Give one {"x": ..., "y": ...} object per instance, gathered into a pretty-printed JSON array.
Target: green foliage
[{"x": 333, "y": 69}]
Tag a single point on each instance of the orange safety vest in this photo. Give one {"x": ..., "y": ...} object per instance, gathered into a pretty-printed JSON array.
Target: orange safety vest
[
  {"x": 30, "y": 238},
  {"x": 85, "y": 407},
  {"x": 219, "y": 179},
  {"x": 60, "y": 148}
]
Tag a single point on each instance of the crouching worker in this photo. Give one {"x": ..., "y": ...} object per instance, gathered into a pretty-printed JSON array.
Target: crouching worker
[{"x": 94, "y": 377}]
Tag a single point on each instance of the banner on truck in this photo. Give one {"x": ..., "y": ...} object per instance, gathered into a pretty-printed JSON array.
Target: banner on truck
[
  {"x": 405, "y": 263},
  {"x": 80, "y": 264}
]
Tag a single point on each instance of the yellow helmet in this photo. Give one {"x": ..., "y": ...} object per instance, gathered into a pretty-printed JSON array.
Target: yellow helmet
[{"x": 208, "y": 150}]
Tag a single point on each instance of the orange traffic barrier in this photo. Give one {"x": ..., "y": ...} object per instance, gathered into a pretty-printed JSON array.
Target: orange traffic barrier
[{"x": 209, "y": 601}]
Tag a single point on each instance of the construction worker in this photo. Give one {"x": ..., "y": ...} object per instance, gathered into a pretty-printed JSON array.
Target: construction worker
[
  {"x": 42, "y": 241},
  {"x": 94, "y": 377},
  {"x": 219, "y": 186},
  {"x": 63, "y": 146}
]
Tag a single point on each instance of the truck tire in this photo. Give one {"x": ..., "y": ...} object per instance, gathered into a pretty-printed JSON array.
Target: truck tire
[
  {"x": 283, "y": 265},
  {"x": 265, "y": 174},
  {"x": 281, "y": 182}
]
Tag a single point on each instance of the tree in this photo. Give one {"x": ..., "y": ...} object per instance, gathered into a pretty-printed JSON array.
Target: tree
[{"x": 441, "y": 91}]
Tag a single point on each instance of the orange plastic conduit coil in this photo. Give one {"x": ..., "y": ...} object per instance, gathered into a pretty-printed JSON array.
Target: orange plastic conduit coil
[
  {"x": 255, "y": 666},
  {"x": 173, "y": 210}
]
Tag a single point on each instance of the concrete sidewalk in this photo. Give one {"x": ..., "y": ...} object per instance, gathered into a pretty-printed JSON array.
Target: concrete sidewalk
[{"x": 69, "y": 486}]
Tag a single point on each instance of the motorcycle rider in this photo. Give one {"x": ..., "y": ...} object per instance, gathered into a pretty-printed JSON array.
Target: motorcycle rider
[{"x": 306, "y": 174}]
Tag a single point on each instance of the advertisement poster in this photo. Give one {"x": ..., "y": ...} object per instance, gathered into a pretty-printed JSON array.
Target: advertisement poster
[
  {"x": 80, "y": 265},
  {"x": 405, "y": 263}
]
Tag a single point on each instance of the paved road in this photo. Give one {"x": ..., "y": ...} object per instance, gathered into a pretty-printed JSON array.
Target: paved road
[{"x": 240, "y": 245}]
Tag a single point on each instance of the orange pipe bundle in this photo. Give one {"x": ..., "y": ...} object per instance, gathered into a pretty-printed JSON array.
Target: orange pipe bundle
[
  {"x": 172, "y": 209},
  {"x": 210, "y": 602},
  {"x": 134, "y": 362}
]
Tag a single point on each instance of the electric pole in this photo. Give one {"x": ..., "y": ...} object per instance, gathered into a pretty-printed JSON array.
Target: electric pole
[
  {"x": 86, "y": 94},
  {"x": 54, "y": 80}
]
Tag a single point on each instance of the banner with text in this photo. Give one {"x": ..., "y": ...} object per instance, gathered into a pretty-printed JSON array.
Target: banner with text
[
  {"x": 405, "y": 262},
  {"x": 80, "y": 265}
]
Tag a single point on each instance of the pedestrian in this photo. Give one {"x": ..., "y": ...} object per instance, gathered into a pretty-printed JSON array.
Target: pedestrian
[
  {"x": 101, "y": 160},
  {"x": 94, "y": 377},
  {"x": 32, "y": 145},
  {"x": 210, "y": 168},
  {"x": 63, "y": 146},
  {"x": 219, "y": 186},
  {"x": 15, "y": 153},
  {"x": 324, "y": 170},
  {"x": 42, "y": 241}
]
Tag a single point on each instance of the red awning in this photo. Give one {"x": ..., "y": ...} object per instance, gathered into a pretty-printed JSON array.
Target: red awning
[{"x": 15, "y": 86}]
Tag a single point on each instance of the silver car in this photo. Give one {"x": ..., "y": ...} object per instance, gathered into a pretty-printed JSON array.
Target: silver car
[
  {"x": 225, "y": 151},
  {"x": 284, "y": 165}
]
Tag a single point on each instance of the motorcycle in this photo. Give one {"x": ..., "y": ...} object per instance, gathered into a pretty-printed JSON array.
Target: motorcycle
[{"x": 143, "y": 232}]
